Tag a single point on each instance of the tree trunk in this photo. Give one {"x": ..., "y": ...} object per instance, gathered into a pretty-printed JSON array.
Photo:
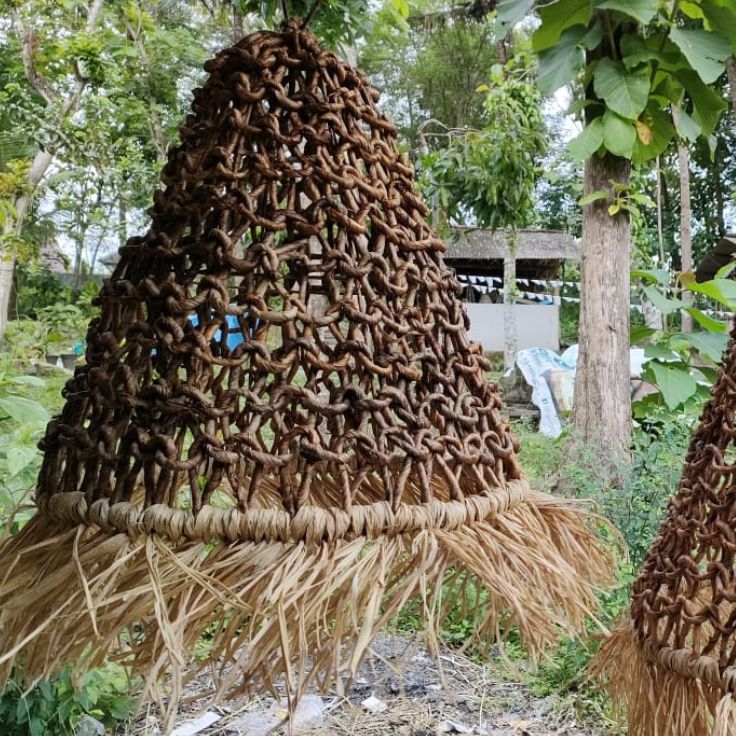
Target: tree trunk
[
  {"x": 602, "y": 403},
  {"x": 731, "y": 69},
  {"x": 42, "y": 159},
  {"x": 7, "y": 267},
  {"x": 686, "y": 237}
]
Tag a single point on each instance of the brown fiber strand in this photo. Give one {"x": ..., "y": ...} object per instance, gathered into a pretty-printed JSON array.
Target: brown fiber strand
[{"x": 265, "y": 504}]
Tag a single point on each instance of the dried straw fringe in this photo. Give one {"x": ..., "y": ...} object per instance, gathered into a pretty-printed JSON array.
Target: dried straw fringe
[
  {"x": 284, "y": 612},
  {"x": 658, "y": 701}
]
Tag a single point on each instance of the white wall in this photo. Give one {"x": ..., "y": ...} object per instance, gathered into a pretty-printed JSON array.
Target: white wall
[{"x": 537, "y": 325}]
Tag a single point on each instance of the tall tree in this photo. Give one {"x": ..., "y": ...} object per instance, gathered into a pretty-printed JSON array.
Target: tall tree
[
  {"x": 637, "y": 60},
  {"x": 61, "y": 97}
]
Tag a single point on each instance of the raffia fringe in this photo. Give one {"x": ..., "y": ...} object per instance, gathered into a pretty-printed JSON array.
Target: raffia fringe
[
  {"x": 664, "y": 692},
  {"x": 264, "y": 612}
]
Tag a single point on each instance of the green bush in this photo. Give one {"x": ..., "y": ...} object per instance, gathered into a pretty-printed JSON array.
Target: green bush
[
  {"x": 38, "y": 287},
  {"x": 55, "y": 707}
]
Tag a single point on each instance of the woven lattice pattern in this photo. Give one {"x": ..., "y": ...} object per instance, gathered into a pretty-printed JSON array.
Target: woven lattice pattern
[
  {"x": 685, "y": 596},
  {"x": 287, "y": 322}
]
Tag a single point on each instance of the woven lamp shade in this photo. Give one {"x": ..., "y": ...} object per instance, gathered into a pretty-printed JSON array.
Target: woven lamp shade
[
  {"x": 282, "y": 434},
  {"x": 673, "y": 664}
]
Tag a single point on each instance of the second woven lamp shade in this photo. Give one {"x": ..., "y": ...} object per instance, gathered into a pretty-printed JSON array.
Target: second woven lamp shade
[
  {"x": 672, "y": 665},
  {"x": 282, "y": 434}
]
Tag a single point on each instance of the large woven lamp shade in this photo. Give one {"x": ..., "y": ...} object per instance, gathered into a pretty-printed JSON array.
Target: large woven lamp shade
[
  {"x": 281, "y": 433},
  {"x": 673, "y": 664}
]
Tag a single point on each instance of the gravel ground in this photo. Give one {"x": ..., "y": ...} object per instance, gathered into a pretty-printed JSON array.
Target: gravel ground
[{"x": 399, "y": 691}]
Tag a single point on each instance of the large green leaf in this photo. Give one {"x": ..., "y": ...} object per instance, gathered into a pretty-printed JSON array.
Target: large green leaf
[
  {"x": 19, "y": 458},
  {"x": 586, "y": 143},
  {"x": 662, "y": 131},
  {"x": 511, "y": 12},
  {"x": 722, "y": 290},
  {"x": 34, "y": 381},
  {"x": 24, "y": 411},
  {"x": 675, "y": 383},
  {"x": 708, "y": 105},
  {"x": 619, "y": 135},
  {"x": 661, "y": 302},
  {"x": 652, "y": 275},
  {"x": 706, "y": 321},
  {"x": 642, "y": 10},
  {"x": 710, "y": 344},
  {"x": 556, "y": 18},
  {"x": 625, "y": 92},
  {"x": 706, "y": 51},
  {"x": 686, "y": 127},
  {"x": 560, "y": 64},
  {"x": 655, "y": 47},
  {"x": 721, "y": 16}
]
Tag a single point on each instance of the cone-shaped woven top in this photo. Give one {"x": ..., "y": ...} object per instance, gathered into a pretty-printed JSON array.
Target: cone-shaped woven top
[
  {"x": 684, "y": 601},
  {"x": 673, "y": 663},
  {"x": 286, "y": 332}
]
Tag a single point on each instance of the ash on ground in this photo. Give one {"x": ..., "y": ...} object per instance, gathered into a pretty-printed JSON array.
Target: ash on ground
[{"x": 400, "y": 690}]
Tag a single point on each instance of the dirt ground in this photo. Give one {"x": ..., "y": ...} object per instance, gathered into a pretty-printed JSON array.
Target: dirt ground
[{"x": 400, "y": 690}]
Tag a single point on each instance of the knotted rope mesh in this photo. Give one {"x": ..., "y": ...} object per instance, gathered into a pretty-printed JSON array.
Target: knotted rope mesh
[
  {"x": 676, "y": 657},
  {"x": 282, "y": 433}
]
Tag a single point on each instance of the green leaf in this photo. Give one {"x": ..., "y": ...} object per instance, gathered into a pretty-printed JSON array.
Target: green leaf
[
  {"x": 706, "y": 51},
  {"x": 624, "y": 92},
  {"x": 686, "y": 127},
  {"x": 561, "y": 63},
  {"x": 721, "y": 16},
  {"x": 662, "y": 130},
  {"x": 710, "y": 344},
  {"x": 725, "y": 271},
  {"x": 708, "y": 105},
  {"x": 661, "y": 352},
  {"x": 34, "y": 381},
  {"x": 691, "y": 10},
  {"x": 401, "y": 7},
  {"x": 556, "y": 18},
  {"x": 586, "y": 143},
  {"x": 24, "y": 411},
  {"x": 642, "y": 10},
  {"x": 653, "y": 275},
  {"x": 619, "y": 135},
  {"x": 722, "y": 290},
  {"x": 638, "y": 334},
  {"x": 661, "y": 302},
  {"x": 511, "y": 12},
  {"x": 706, "y": 321},
  {"x": 19, "y": 458},
  {"x": 592, "y": 197},
  {"x": 676, "y": 384},
  {"x": 656, "y": 47}
]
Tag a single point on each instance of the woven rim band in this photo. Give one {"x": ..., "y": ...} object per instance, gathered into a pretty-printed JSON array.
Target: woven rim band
[
  {"x": 687, "y": 664},
  {"x": 311, "y": 524}
]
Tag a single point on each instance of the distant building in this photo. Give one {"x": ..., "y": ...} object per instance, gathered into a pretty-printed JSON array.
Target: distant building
[{"x": 512, "y": 291}]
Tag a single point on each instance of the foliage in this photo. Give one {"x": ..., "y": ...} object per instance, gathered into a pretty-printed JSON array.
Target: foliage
[
  {"x": 334, "y": 21},
  {"x": 682, "y": 364},
  {"x": 38, "y": 287},
  {"x": 428, "y": 67},
  {"x": 56, "y": 706},
  {"x": 64, "y": 326},
  {"x": 22, "y": 422},
  {"x": 643, "y": 59},
  {"x": 490, "y": 174}
]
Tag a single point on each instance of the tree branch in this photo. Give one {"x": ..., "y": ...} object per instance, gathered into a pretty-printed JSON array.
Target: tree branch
[
  {"x": 35, "y": 79},
  {"x": 93, "y": 17}
]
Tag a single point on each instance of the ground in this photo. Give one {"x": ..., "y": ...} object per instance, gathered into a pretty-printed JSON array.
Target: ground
[{"x": 413, "y": 694}]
